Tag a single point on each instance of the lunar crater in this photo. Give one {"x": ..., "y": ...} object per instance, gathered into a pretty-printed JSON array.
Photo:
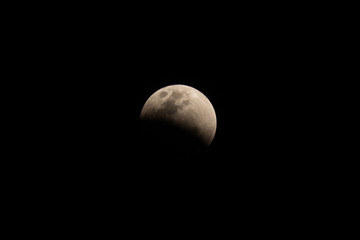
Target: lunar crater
[
  {"x": 163, "y": 94},
  {"x": 177, "y": 95},
  {"x": 186, "y": 102}
]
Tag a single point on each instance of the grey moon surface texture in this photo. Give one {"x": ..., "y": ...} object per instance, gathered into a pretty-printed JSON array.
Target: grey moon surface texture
[{"x": 185, "y": 108}]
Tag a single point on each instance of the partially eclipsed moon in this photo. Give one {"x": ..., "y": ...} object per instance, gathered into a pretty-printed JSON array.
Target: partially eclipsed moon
[{"x": 185, "y": 108}]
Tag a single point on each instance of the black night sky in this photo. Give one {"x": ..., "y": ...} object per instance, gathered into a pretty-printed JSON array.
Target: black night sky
[{"x": 256, "y": 67}]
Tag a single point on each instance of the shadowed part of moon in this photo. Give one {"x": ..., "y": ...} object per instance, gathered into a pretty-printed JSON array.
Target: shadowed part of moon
[{"x": 166, "y": 137}]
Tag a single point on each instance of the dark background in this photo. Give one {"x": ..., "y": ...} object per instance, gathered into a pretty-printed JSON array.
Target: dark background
[{"x": 259, "y": 67}]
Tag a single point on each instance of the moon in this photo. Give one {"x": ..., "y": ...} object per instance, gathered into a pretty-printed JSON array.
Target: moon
[{"x": 181, "y": 113}]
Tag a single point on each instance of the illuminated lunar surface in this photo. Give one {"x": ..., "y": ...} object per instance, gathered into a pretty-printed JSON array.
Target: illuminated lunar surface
[{"x": 183, "y": 108}]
